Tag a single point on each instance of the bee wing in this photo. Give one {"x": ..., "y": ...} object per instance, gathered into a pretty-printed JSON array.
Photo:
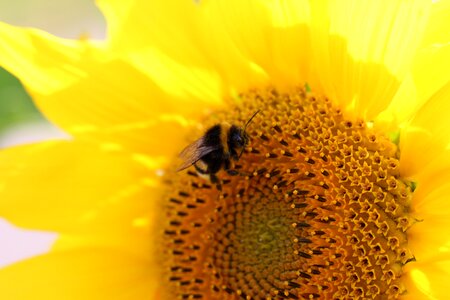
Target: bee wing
[{"x": 193, "y": 153}]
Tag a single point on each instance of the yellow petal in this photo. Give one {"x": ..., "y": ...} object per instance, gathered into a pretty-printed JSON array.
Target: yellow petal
[
  {"x": 44, "y": 63},
  {"x": 433, "y": 56},
  {"x": 237, "y": 70},
  {"x": 187, "y": 51},
  {"x": 209, "y": 36},
  {"x": 435, "y": 31},
  {"x": 161, "y": 48},
  {"x": 434, "y": 60},
  {"x": 127, "y": 224},
  {"x": 430, "y": 69},
  {"x": 430, "y": 236},
  {"x": 427, "y": 280},
  {"x": 272, "y": 35},
  {"x": 117, "y": 104},
  {"x": 432, "y": 192},
  {"x": 364, "y": 50},
  {"x": 133, "y": 25},
  {"x": 431, "y": 207},
  {"x": 84, "y": 92},
  {"x": 89, "y": 273},
  {"x": 290, "y": 41},
  {"x": 424, "y": 143},
  {"x": 139, "y": 245},
  {"x": 64, "y": 185},
  {"x": 402, "y": 107}
]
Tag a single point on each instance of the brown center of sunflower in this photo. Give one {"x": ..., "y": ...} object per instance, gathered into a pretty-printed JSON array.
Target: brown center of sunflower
[{"x": 317, "y": 210}]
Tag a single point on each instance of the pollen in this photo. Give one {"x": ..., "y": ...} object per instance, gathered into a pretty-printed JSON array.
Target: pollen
[{"x": 317, "y": 209}]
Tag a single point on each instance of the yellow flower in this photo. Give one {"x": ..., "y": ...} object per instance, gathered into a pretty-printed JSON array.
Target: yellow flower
[{"x": 342, "y": 191}]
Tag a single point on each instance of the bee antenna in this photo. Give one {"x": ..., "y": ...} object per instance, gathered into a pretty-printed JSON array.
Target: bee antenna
[
  {"x": 242, "y": 151},
  {"x": 249, "y": 120},
  {"x": 245, "y": 127}
]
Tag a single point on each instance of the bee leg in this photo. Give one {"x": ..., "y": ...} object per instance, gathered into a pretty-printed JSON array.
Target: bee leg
[
  {"x": 232, "y": 172},
  {"x": 235, "y": 156},
  {"x": 229, "y": 167},
  {"x": 215, "y": 179},
  {"x": 212, "y": 177},
  {"x": 200, "y": 170}
]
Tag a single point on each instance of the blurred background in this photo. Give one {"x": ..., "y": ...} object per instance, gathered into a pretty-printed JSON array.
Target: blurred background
[{"x": 20, "y": 120}]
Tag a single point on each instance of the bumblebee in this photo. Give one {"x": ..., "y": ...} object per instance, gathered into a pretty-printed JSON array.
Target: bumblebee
[{"x": 218, "y": 148}]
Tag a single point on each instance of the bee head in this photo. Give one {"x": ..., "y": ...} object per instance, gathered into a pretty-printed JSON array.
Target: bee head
[{"x": 240, "y": 137}]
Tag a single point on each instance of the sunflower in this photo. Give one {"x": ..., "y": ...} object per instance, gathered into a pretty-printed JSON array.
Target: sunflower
[{"x": 341, "y": 192}]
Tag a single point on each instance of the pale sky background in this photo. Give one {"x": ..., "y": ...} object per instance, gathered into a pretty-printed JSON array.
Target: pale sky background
[{"x": 65, "y": 18}]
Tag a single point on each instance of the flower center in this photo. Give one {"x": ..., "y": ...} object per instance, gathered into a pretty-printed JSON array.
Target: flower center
[{"x": 317, "y": 209}]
